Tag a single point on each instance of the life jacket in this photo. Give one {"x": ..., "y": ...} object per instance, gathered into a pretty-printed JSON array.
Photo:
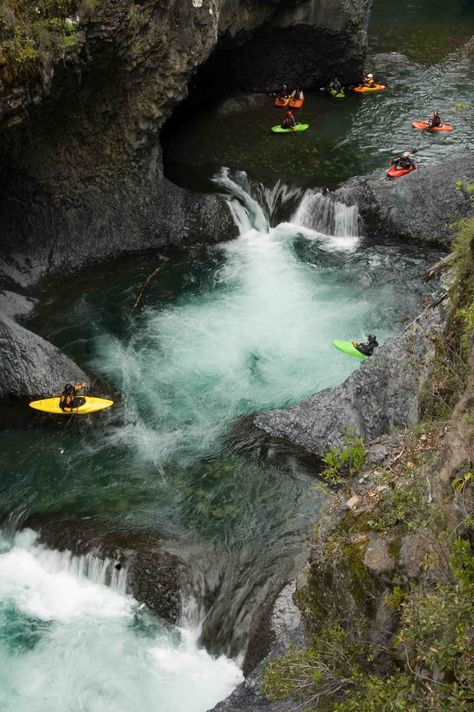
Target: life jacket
[
  {"x": 66, "y": 400},
  {"x": 436, "y": 120}
]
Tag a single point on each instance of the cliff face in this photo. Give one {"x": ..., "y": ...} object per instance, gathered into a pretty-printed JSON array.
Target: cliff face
[{"x": 80, "y": 153}]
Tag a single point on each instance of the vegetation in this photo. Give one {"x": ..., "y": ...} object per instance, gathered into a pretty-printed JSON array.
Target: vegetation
[
  {"x": 343, "y": 463},
  {"x": 31, "y": 30},
  {"x": 449, "y": 375},
  {"x": 431, "y": 663}
]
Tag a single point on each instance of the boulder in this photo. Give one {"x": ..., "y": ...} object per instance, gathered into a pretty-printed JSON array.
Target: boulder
[
  {"x": 30, "y": 365},
  {"x": 423, "y": 205},
  {"x": 383, "y": 393}
]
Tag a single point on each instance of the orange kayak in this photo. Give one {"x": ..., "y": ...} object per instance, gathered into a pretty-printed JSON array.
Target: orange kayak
[
  {"x": 376, "y": 87},
  {"x": 282, "y": 102},
  {"x": 296, "y": 104},
  {"x": 424, "y": 125},
  {"x": 398, "y": 172}
]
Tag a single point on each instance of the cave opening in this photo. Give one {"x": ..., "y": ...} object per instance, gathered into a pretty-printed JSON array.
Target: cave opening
[{"x": 248, "y": 68}]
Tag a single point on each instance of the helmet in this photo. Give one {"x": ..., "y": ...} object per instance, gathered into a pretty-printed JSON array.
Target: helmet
[
  {"x": 370, "y": 76},
  {"x": 285, "y": 86},
  {"x": 372, "y": 338},
  {"x": 68, "y": 388},
  {"x": 405, "y": 154}
]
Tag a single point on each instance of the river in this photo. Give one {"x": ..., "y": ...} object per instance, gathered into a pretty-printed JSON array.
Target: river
[{"x": 221, "y": 332}]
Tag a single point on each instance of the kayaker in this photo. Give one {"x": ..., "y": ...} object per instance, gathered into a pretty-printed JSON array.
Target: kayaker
[
  {"x": 405, "y": 161},
  {"x": 435, "y": 120},
  {"x": 69, "y": 400},
  {"x": 335, "y": 84},
  {"x": 368, "y": 80},
  {"x": 289, "y": 121},
  {"x": 367, "y": 348},
  {"x": 297, "y": 94},
  {"x": 282, "y": 94}
]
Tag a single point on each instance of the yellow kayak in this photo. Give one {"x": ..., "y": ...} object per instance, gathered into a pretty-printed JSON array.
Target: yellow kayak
[{"x": 51, "y": 405}]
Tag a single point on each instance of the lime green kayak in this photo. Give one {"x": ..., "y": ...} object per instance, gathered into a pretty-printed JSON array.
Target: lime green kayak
[
  {"x": 298, "y": 127},
  {"x": 337, "y": 94},
  {"x": 347, "y": 347}
]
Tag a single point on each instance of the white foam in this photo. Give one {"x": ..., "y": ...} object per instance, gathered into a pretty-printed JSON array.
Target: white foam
[{"x": 73, "y": 645}]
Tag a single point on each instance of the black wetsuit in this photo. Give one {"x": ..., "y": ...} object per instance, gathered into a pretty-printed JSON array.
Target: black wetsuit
[{"x": 368, "y": 348}]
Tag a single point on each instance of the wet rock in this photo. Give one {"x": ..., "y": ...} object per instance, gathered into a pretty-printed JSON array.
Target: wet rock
[
  {"x": 153, "y": 574},
  {"x": 286, "y": 628},
  {"x": 383, "y": 393},
  {"x": 241, "y": 103},
  {"x": 31, "y": 366},
  {"x": 423, "y": 205},
  {"x": 16, "y": 306},
  {"x": 377, "y": 557}
]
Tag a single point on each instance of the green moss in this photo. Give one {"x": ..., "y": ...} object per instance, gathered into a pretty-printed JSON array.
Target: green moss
[{"x": 30, "y": 30}]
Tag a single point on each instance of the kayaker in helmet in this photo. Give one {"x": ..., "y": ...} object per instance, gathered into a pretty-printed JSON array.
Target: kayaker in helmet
[
  {"x": 335, "y": 84},
  {"x": 367, "y": 348},
  {"x": 297, "y": 94},
  {"x": 289, "y": 121},
  {"x": 368, "y": 80},
  {"x": 435, "y": 120},
  {"x": 404, "y": 162},
  {"x": 69, "y": 400}
]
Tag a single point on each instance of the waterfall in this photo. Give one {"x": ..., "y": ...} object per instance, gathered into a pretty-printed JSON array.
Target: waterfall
[
  {"x": 247, "y": 212},
  {"x": 255, "y": 207},
  {"x": 326, "y": 215}
]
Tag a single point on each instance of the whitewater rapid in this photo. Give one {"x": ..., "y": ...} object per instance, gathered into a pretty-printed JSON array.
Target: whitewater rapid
[{"x": 70, "y": 642}]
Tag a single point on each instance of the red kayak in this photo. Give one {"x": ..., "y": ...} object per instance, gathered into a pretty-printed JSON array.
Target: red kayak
[
  {"x": 296, "y": 104},
  {"x": 424, "y": 125},
  {"x": 399, "y": 172}
]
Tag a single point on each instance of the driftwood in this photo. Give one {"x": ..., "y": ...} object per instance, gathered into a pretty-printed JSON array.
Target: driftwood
[
  {"x": 440, "y": 266},
  {"x": 142, "y": 290}
]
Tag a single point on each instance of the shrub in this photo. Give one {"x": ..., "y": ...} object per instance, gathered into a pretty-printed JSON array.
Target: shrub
[{"x": 346, "y": 462}]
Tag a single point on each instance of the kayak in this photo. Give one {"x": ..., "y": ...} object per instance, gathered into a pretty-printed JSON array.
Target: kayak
[
  {"x": 296, "y": 104},
  {"x": 348, "y": 348},
  {"x": 337, "y": 94},
  {"x": 398, "y": 172},
  {"x": 282, "y": 102},
  {"x": 298, "y": 127},
  {"x": 424, "y": 126},
  {"x": 51, "y": 405},
  {"x": 363, "y": 90}
]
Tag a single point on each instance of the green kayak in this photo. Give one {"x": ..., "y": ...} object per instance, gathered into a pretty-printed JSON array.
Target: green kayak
[
  {"x": 348, "y": 348},
  {"x": 337, "y": 94},
  {"x": 298, "y": 127}
]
